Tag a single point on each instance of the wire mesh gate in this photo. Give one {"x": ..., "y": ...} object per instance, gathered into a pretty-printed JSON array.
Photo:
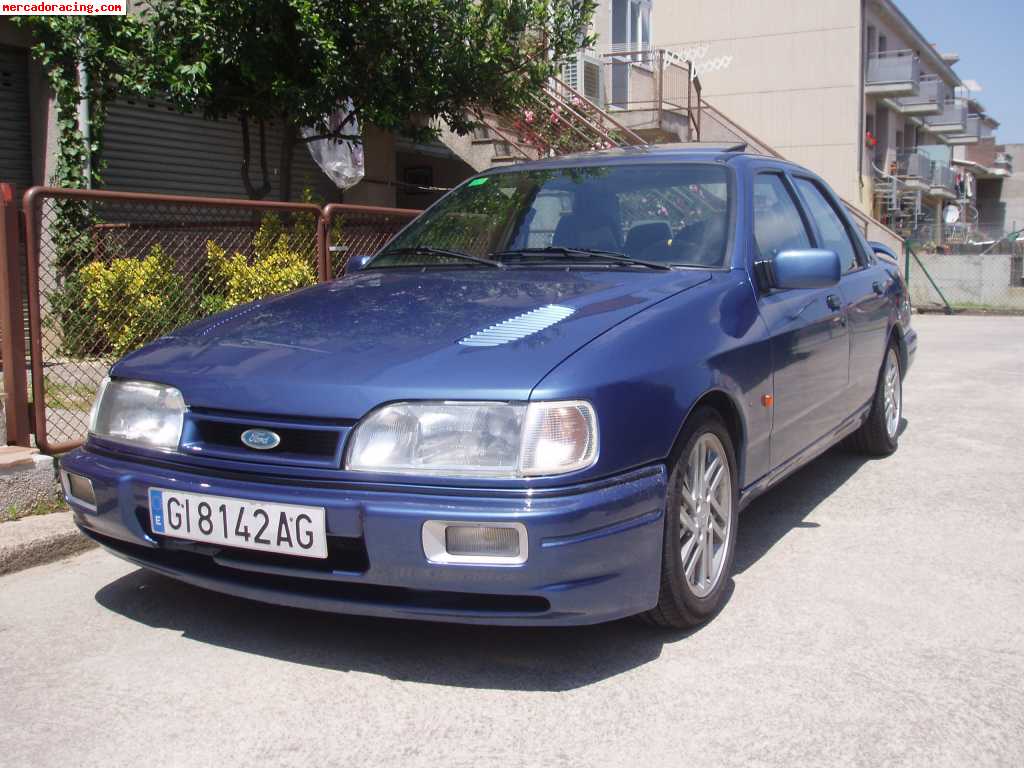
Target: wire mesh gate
[{"x": 103, "y": 273}]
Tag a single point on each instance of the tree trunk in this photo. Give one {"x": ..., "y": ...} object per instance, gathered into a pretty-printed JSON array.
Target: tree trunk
[{"x": 253, "y": 192}]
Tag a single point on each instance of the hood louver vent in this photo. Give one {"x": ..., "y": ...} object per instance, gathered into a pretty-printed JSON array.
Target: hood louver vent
[{"x": 518, "y": 327}]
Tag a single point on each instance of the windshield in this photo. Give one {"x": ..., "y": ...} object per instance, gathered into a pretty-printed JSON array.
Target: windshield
[{"x": 660, "y": 214}]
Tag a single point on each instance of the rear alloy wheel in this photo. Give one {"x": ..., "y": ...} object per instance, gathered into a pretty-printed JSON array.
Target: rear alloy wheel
[
  {"x": 879, "y": 434},
  {"x": 700, "y": 525}
]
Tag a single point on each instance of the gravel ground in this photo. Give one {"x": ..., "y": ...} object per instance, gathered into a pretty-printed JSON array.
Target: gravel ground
[{"x": 876, "y": 618}]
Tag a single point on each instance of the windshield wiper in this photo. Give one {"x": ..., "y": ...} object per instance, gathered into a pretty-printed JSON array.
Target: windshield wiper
[
  {"x": 426, "y": 250},
  {"x": 583, "y": 253}
]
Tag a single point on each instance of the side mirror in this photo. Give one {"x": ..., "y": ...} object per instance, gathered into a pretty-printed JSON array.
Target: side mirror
[
  {"x": 810, "y": 268},
  {"x": 357, "y": 263},
  {"x": 881, "y": 249}
]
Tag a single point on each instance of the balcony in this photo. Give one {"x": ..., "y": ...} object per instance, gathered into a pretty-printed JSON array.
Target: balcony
[
  {"x": 1003, "y": 162},
  {"x": 650, "y": 90},
  {"x": 972, "y": 135},
  {"x": 893, "y": 73},
  {"x": 931, "y": 94},
  {"x": 942, "y": 182},
  {"x": 915, "y": 170},
  {"x": 952, "y": 119}
]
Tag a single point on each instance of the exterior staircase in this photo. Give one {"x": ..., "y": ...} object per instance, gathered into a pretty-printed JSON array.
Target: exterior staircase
[
  {"x": 559, "y": 121},
  {"x": 629, "y": 98}
]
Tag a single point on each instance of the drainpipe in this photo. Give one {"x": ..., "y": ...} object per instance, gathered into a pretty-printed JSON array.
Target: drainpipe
[{"x": 84, "y": 126}]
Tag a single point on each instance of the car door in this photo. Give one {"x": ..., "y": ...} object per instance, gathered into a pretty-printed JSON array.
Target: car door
[
  {"x": 807, "y": 327},
  {"x": 863, "y": 287}
]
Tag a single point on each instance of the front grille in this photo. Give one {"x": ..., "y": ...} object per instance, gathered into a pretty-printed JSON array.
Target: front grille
[
  {"x": 302, "y": 443},
  {"x": 317, "y": 443}
]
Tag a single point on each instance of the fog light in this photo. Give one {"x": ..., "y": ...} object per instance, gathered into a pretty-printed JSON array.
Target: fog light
[
  {"x": 79, "y": 489},
  {"x": 475, "y": 543},
  {"x": 481, "y": 540}
]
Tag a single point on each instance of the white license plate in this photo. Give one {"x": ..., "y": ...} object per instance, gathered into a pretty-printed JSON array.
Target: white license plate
[{"x": 286, "y": 529}]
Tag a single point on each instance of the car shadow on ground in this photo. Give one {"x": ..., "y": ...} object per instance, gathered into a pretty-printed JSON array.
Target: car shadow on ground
[{"x": 502, "y": 658}]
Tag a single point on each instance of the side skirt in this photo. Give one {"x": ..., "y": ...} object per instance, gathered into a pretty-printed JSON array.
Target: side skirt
[{"x": 808, "y": 454}]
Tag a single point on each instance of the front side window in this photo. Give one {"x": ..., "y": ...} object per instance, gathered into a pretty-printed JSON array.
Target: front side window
[
  {"x": 778, "y": 225},
  {"x": 834, "y": 235},
  {"x": 668, "y": 214}
]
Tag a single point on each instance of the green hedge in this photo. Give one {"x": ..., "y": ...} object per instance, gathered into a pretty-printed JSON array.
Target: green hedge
[{"x": 112, "y": 307}]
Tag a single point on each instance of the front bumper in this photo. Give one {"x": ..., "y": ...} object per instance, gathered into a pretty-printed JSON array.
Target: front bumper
[{"x": 594, "y": 549}]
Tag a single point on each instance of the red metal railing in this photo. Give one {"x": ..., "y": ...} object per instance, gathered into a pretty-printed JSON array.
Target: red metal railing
[{"x": 107, "y": 272}]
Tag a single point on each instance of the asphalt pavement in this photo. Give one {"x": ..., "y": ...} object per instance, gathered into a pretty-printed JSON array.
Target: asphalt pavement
[{"x": 876, "y": 617}]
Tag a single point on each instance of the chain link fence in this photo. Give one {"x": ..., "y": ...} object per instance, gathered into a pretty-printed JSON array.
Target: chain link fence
[
  {"x": 354, "y": 231},
  {"x": 979, "y": 276},
  {"x": 109, "y": 272}
]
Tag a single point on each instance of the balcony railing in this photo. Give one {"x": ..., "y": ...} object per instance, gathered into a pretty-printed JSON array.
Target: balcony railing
[
  {"x": 654, "y": 86},
  {"x": 914, "y": 165},
  {"x": 1004, "y": 161},
  {"x": 952, "y": 118},
  {"x": 942, "y": 179},
  {"x": 971, "y": 133},
  {"x": 893, "y": 73},
  {"x": 931, "y": 93}
]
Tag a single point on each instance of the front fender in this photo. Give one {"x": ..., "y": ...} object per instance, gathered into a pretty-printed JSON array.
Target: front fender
[{"x": 646, "y": 375}]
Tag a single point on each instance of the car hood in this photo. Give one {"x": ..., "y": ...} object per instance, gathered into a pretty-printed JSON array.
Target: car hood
[{"x": 339, "y": 349}]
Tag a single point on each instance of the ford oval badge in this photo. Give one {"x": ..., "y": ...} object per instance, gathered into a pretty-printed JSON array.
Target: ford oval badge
[{"x": 261, "y": 439}]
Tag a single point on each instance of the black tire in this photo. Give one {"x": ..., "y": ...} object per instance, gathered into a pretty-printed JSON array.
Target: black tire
[
  {"x": 873, "y": 437},
  {"x": 678, "y": 606}
]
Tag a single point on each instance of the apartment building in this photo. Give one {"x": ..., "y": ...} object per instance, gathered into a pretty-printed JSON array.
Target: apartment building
[{"x": 849, "y": 88}]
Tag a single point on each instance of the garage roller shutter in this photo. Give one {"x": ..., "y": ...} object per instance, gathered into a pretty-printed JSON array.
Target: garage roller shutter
[
  {"x": 15, "y": 134},
  {"x": 149, "y": 147}
]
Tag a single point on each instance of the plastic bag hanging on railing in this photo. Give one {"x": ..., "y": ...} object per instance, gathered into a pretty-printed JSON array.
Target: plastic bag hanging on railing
[{"x": 341, "y": 159}]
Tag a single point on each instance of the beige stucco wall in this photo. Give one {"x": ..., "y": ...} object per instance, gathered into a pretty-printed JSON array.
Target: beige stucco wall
[{"x": 793, "y": 78}]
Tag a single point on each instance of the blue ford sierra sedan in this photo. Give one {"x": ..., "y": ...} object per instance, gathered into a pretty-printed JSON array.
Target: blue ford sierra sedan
[{"x": 545, "y": 401}]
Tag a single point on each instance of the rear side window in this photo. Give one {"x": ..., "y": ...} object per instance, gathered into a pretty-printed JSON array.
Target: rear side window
[
  {"x": 777, "y": 223},
  {"x": 834, "y": 235}
]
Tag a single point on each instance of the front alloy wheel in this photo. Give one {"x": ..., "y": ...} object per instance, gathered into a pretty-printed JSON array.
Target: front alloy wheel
[
  {"x": 704, "y": 515},
  {"x": 700, "y": 525}
]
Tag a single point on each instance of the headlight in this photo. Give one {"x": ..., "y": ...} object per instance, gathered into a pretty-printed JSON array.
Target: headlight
[
  {"x": 461, "y": 439},
  {"x": 138, "y": 412}
]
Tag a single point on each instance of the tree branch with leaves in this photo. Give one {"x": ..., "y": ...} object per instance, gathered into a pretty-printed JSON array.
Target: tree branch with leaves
[{"x": 404, "y": 63}]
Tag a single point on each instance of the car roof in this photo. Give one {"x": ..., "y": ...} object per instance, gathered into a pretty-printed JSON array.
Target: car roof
[{"x": 689, "y": 152}]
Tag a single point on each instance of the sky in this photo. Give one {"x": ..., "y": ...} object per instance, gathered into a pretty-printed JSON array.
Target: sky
[{"x": 988, "y": 35}]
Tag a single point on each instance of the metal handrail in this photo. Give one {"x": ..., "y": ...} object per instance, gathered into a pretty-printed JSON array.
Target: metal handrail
[{"x": 604, "y": 115}]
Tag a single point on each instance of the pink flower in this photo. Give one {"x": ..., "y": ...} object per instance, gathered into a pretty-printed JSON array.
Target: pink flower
[
  {"x": 575, "y": 101},
  {"x": 554, "y": 117},
  {"x": 528, "y": 115}
]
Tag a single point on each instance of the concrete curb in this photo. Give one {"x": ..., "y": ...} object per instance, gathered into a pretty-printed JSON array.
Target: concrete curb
[{"x": 39, "y": 539}]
